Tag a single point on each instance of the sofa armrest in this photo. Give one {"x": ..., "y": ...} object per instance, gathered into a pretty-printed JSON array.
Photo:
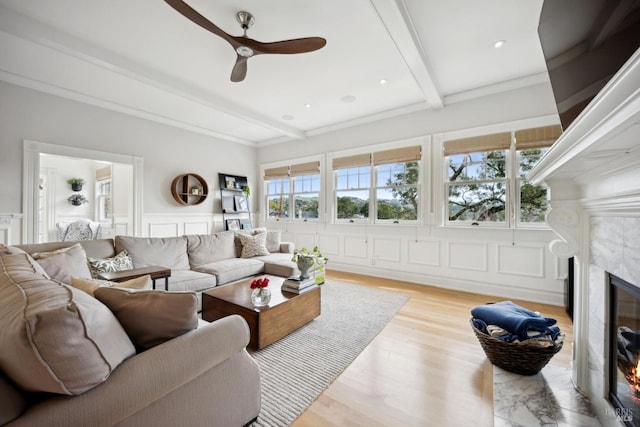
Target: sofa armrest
[
  {"x": 287, "y": 247},
  {"x": 146, "y": 377}
]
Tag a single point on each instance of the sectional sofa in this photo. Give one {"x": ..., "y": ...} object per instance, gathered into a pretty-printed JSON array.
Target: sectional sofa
[
  {"x": 197, "y": 262},
  {"x": 68, "y": 358}
]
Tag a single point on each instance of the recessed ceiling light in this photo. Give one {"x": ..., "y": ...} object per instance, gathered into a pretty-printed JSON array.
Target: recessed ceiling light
[
  {"x": 348, "y": 99},
  {"x": 383, "y": 81},
  {"x": 288, "y": 117},
  {"x": 498, "y": 44},
  {"x": 307, "y": 105}
]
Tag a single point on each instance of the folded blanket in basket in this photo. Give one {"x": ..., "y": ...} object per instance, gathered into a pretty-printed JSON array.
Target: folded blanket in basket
[{"x": 522, "y": 323}]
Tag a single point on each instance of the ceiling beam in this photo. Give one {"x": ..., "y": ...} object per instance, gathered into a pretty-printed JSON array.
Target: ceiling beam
[{"x": 395, "y": 17}]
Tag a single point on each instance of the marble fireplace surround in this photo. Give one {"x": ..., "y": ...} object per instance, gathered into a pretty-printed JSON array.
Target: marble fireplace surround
[{"x": 593, "y": 172}]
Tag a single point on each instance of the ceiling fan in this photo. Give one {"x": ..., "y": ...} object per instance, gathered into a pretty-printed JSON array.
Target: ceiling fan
[{"x": 244, "y": 46}]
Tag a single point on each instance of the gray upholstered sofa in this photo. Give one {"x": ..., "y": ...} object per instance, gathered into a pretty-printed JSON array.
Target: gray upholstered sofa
[{"x": 197, "y": 262}]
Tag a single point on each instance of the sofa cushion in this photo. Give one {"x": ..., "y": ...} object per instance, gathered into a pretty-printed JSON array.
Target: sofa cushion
[
  {"x": 151, "y": 317},
  {"x": 63, "y": 263},
  {"x": 169, "y": 252},
  {"x": 253, "y": 245},
  {"x": 62, "y": 340},
  {"x": 231, "y": 269},
  {"x": 190, "y": 280},
  {"x": 90, "y": 285},
  {"x": 8, "y": 250},
  {"x": 206, "y": 248},
  {"x": 278, "y": 264},
  {"x": 121, "y": 261}
]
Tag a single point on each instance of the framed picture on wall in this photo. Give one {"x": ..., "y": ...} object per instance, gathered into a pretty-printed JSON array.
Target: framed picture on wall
[
  {"x": 245, "y": 225},
  {"x": 241, "y": 204},
  {"x": 233, "y": 224}
]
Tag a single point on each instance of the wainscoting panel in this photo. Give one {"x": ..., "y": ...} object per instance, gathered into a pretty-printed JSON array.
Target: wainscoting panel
[
  {"x": 164, "y": 230},
  {"x": 305, "y": 240},
  {"x": 329, "y": 245},
  {"x": 468, "y": 256},
  {"x": 423, "y": 252},
  {"x": 386, "y": 249},
  {"x": 521, "y": 260},
  {"x": 11, "y": 229},
  {"x": 355, "y": 247}
]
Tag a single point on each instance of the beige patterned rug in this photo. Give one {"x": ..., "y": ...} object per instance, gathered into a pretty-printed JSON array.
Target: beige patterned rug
[{"x": 297, "y": 368}]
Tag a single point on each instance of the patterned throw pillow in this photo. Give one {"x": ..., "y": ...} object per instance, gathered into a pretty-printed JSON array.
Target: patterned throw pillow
[
  {"x": 90, "y": 285},
  {"x": 253, "y": 245},
  {"x": 120, "y": 262}
]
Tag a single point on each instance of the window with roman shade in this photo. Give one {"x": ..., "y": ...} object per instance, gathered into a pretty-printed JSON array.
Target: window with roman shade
[{"x": 293, "y": 191}]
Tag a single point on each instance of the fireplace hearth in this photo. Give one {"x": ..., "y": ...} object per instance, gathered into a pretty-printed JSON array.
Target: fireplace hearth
[{"x": 624, "y": 353}]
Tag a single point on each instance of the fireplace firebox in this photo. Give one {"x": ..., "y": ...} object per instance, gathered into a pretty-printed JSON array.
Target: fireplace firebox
[{"x": 624, "y": 353}]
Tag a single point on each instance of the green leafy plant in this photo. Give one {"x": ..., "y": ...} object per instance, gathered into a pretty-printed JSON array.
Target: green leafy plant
[
  {"x": 315, "y": 255},
  {"x": 76, "y": 181},
  {"x": 246, "y": 189},
  {"x": 77, "y": 199}
]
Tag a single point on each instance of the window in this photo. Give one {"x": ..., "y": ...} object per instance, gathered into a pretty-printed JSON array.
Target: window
[
  {"x": 103, "y": 194},
  {"x": 531, "y": 145},
  {"x": 477, "y": 187},
  {"x": 278, "y": 198},
  {"x": 352, "y": 193},
  {"x": 479, "y": 178},
  {"x": 299, "y": 183},
  {"x": 389, "y": 178},
  {"x": 397, "y": 191}
]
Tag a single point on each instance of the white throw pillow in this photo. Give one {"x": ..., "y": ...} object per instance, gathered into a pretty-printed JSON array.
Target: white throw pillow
[{"x": 253, "y": 245}]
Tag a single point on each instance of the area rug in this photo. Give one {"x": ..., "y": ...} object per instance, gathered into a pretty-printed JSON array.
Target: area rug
[{"x": 297, "y": 368}]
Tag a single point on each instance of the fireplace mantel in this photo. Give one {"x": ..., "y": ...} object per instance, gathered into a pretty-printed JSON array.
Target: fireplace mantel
[
  {"x": 593, "y": 172},
  {"x": 595, "y": 164}
]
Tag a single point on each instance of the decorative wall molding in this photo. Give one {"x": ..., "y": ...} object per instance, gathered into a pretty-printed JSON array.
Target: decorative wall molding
[{"x": 564, "y": 219}]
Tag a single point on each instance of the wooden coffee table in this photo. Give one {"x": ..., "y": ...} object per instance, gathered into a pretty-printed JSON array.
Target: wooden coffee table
[{"x": 285, "y": 313}]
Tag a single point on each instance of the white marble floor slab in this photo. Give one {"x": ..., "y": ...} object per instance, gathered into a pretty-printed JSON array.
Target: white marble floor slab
[{"x": 545, "y": 399}]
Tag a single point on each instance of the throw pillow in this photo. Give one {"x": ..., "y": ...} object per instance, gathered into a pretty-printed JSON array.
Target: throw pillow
[
  {"x": 253, "y": 245},
  {"x": 120, "y": 262},
  {"x": 90, "y": 285},
  {"x": 61, "y": 339},
  {"x": 169, "y": 252},
  {"x": 63, "y": 263},
  {"x": 151, "y": 317},
  {"x": 273, "y": 240}
]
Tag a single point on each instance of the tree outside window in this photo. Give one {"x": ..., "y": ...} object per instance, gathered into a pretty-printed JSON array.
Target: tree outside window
[
  {"x": 477, "y": 187},
  {"x": 353, "y": 192},
  {"x": 397, "y": 191},
  {"x": 534, "y": 199}
]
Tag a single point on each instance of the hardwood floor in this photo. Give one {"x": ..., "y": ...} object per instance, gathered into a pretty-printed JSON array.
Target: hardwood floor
[{"x": 426, "y": 367}]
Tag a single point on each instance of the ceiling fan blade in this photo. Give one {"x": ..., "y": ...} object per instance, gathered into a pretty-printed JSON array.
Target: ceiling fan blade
[
  {"x": 285, "y": 47},
  {"x": 240, "y": 69},
  {"x": 191, "y": 14}
]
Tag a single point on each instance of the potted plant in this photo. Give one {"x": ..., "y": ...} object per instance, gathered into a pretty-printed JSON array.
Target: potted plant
[
  {"x": 195, "y": 190},
  {"x": 77, "y": 199},
  {"x": 76, "y": 183},
  {"x": 247, "y": 190},
  {"x": 306, "y": 259}
]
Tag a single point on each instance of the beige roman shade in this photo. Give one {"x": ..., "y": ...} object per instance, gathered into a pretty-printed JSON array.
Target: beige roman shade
[
  {"x": 272, "y": 173},
  {"x": 398, "y": 155},
  {"x": 545, "y": 136},
  {"x": 103, "y": 173},
  {"x": 493, "y": 142},
  {"x": 310, "y": 168},
  {"x": 352, "y": 161}
]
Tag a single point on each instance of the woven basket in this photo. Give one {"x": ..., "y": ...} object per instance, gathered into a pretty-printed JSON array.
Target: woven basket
[{"x": 524, "y": 358}]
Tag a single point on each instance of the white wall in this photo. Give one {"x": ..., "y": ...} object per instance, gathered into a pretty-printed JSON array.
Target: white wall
[{"x": 167, "y": 152}]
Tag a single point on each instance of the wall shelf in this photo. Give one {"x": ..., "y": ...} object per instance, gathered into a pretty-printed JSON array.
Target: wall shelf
[
  {"x": 234, "y": 202},
  {"x": 181, "y": 189}
]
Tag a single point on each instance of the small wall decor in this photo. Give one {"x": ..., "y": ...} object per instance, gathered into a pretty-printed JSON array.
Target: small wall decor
[
  {"x": 233, "y": 224},
  {"x": 77, "y": 199},
  {"x": 76, "y": 183}
]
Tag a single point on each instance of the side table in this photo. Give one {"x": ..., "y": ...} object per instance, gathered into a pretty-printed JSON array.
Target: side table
[{"x": 156, "y": 272}]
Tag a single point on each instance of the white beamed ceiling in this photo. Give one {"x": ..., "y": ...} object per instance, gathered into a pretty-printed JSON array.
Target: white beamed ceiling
[{"x": 143, "y": 58}]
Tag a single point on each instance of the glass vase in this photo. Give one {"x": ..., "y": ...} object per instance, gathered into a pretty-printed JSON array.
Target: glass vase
[{"x": 260, "y": 297}]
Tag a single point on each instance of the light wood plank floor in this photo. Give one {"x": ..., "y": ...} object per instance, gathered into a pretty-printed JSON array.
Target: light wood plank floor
[{"x": 426, "y": 367}]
